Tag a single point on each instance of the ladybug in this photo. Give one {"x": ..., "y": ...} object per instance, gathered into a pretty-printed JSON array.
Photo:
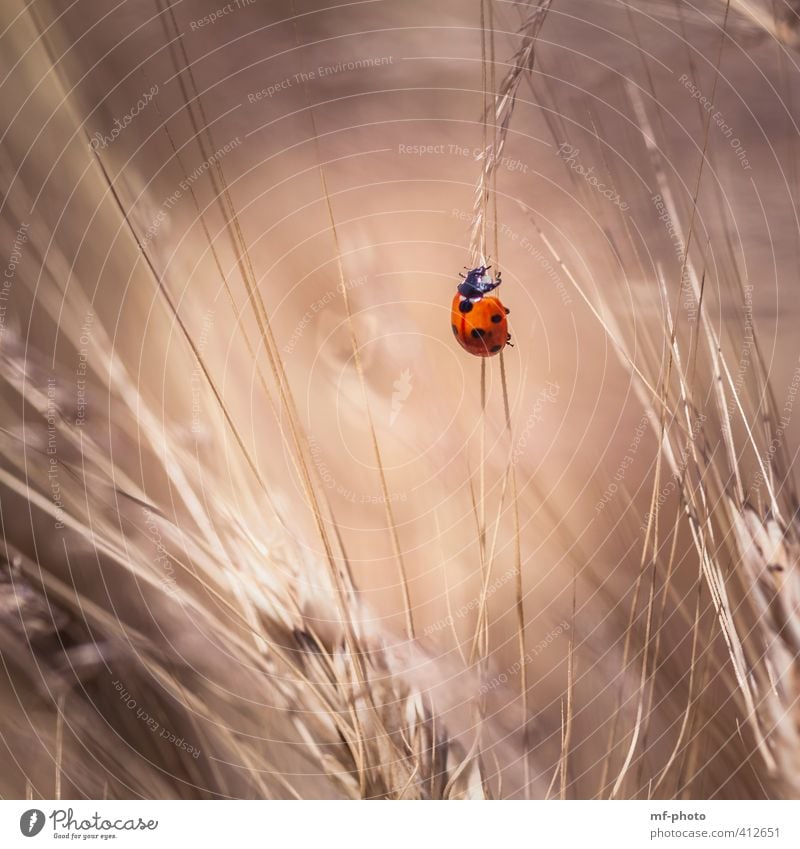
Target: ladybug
[{"x": 479, "y": 322}]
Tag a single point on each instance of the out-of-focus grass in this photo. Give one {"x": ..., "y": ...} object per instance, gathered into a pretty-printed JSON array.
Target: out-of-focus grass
[{"x": 216, "y": 640}]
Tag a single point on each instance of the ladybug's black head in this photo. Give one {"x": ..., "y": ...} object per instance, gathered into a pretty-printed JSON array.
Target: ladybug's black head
[{"x": 477, "y": 282}]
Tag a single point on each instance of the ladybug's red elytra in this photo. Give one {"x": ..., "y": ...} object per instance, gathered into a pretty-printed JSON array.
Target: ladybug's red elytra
[{"x": 479, "y": 322}]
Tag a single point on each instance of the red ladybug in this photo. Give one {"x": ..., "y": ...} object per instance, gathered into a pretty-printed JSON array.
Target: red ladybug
[{"x": 479, "y": 322}]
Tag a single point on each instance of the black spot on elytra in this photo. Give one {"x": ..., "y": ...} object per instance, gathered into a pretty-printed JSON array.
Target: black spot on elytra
[
  {"x": 507, "y": 310},
  {"x": 497, "y": 318},
  {"x": 775, "y": 567},
  {"x": 465, "y": 306},
  {"x": 478, "y": 332},
  {"x": 496, "y": 348},
  {"x": 455, "y": 330}
]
